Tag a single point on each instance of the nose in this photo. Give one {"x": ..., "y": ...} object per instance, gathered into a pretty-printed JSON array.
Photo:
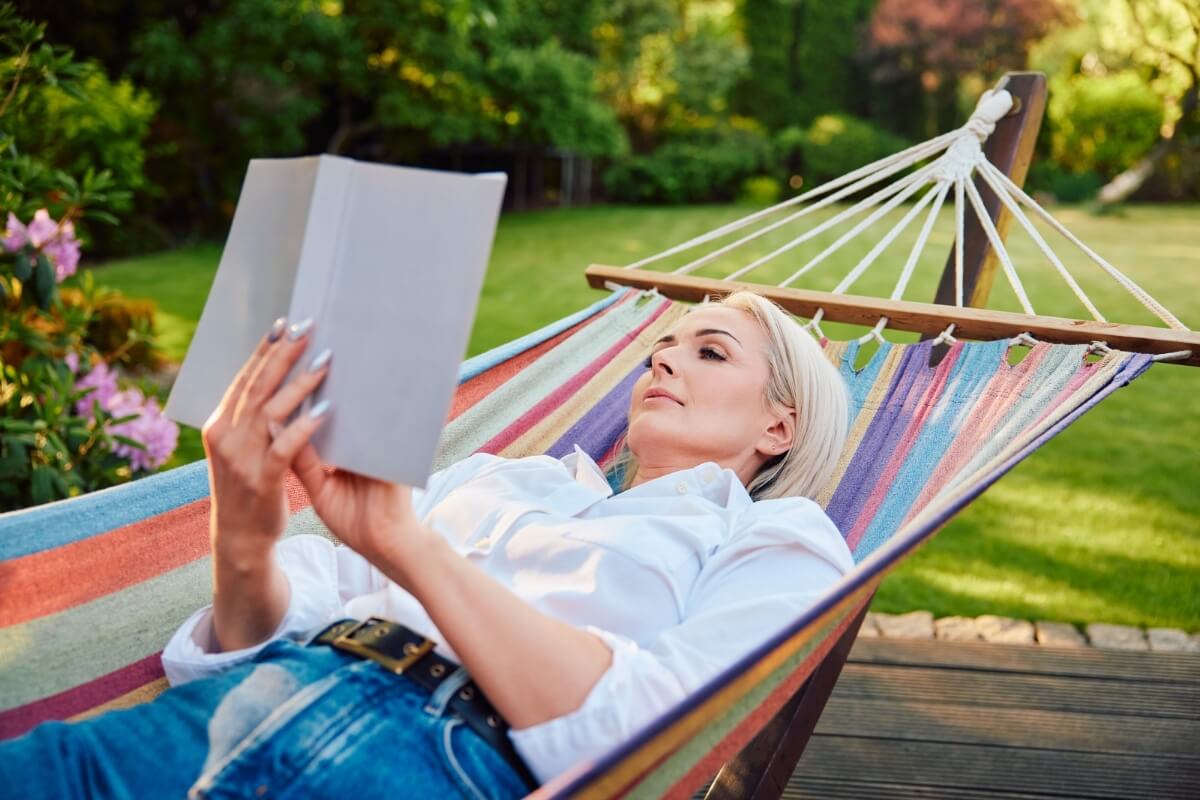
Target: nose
[{"x": 659, "y": 359}]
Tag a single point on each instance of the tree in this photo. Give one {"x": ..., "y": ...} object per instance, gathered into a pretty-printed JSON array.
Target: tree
[
  {"x": 803, "y": 59},
  {"x": 934, "y": 44},
  {"x": 1167, "y": 37}
]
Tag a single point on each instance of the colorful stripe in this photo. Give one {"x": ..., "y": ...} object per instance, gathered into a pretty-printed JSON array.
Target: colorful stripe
[{"x": 91, "y": 588}]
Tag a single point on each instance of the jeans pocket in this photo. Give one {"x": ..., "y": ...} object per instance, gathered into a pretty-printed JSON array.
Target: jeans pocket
[{"x": 479, "y": 770}]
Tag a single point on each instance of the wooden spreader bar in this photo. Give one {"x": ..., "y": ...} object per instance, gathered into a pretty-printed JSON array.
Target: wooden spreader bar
[{"x": 925, "y": 318}]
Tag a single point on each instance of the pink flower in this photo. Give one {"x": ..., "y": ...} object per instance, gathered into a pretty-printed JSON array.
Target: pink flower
[
  {"x": 14, "y": 234},
  {"x": 156, "y": 433},
  {"x": 42, "y": 229},
  {"x": 63, "y": 252},
  {"x": 71, "y": 359},
  {"x": 103, "y": 382}
]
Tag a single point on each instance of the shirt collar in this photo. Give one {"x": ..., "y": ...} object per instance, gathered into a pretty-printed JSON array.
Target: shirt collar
[{"x": 708, "y": 480}]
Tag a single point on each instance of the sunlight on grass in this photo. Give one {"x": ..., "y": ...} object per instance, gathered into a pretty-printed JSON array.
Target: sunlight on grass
[{"x": 1101, "y": 524}]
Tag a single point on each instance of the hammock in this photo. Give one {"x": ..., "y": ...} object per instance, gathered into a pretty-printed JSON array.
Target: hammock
[{"x": 92, "y": 587}]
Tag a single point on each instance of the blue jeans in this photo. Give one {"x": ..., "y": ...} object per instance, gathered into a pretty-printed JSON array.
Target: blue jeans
[{"x": 300, "y": 722}]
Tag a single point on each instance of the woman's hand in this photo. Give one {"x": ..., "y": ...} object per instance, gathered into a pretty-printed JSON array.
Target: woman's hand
[
  {"x": 249, "y": 448},
  {"x": 371, "y": 516}
]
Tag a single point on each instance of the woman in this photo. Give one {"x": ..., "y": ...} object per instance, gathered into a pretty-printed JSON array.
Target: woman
[{"x": 562, "y": 616}]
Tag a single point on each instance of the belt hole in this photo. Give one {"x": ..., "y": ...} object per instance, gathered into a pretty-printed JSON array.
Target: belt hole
[
  {"x": 467, "y": 693},
  {"x": 437, "y": 670},
  {"x": 493, "y": 721},
  {"x": 409, "y": 648}
]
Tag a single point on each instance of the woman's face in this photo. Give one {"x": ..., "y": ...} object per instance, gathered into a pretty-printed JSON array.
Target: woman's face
[{"x": 703, "y": 398}]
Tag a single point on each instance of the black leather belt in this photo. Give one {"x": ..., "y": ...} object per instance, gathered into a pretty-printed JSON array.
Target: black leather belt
[{"x": 408, "y": 653}]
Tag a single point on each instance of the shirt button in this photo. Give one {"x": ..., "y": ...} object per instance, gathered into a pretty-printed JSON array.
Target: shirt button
[
  {"x": 681, "y": 487},
  {"x": 710, "y": 475},
  {"x": 484, "y": 543}
]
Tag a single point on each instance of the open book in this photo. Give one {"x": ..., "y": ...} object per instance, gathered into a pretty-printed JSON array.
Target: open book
[{"x": 388, "y": 262}]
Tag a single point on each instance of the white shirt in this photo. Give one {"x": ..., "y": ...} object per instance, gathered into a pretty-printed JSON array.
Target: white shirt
[{"x": 679, "y": 576}]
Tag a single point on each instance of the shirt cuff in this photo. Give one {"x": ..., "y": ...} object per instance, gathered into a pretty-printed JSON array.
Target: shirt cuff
[{"x": 310, "y": 564}]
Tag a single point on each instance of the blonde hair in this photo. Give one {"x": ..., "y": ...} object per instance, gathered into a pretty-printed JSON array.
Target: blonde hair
[{"x": 800, "y": 377}]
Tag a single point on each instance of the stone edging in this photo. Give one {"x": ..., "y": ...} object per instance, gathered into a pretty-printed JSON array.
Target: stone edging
[{"x": 1005, "y": 630}]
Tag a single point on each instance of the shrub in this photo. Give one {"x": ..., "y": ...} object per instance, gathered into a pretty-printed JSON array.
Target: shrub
[
  {"x": 66, "y": 425},
  {"x": 1065, "y": 186},
  {"x": 1102, "y": 124},
  {"x": 698, "y": 169},
  {"x": 761, "y": 190},
  {"x": 836, "y": 144}
]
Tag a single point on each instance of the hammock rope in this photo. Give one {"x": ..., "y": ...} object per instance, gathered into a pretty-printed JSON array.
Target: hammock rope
[{"x": 954, "y": 159}]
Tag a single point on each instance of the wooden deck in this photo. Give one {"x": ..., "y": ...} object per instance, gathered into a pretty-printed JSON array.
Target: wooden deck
[{"x": 934, "y": 719}]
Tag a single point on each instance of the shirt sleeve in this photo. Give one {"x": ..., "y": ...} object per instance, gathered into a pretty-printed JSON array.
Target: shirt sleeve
[
  {"x": 323, "y": 577},
  {"x": 781, "y": 559}
]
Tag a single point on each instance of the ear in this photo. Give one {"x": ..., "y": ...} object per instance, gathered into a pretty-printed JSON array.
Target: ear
[{"x": 778, "y": 438}]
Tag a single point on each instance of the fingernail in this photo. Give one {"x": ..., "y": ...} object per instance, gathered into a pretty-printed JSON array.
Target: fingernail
[
  {"x": 274, "y": 428},
  {"x": 277, "y": 328},
  {"x": 319, "y": 410},
  {"x": 299, "y": 329},
  {"x": 321, "y": 360}
]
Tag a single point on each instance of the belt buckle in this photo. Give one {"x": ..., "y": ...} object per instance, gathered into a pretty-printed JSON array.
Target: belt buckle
[{"x": 412, "y": 652}]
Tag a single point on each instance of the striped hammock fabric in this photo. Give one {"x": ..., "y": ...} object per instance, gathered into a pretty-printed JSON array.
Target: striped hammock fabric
[{"x": 91, "y": 588}]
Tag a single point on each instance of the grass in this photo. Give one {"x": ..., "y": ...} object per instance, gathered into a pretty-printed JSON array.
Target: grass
[{"x": 1101, "y": 524}]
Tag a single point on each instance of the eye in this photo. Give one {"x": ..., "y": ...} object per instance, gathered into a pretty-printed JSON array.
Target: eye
[{"x": 711, "y": 353}]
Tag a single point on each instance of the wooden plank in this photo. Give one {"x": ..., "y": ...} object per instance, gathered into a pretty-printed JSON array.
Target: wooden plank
[
  {"x": 1084, "y": 662},
  {"x": 850, "y": 788},
  {"x": 1002, "y": 769},
  {"x": 1010, "y": 148},
  {"x": 1009, "y": 727},
  {"x": 927, "y": 318},
  {"x": 916, "y": 685}
]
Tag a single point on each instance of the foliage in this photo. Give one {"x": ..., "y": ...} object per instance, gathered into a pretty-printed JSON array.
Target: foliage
[
  {"x": 803, "y": 60},
  {"x": 698, "y": 169},
  {"x": 921, "y": 51},
  {"x": 1066, "y": 187},
  {"x": 60, "y": 434},
  {"x": 373, "y": 78},
  {"x": 836, "y": 144},
  {"x": 760, "y": 190},
  {"x": 667, "y": 68},
  {"x": 1102, "y": 124}
]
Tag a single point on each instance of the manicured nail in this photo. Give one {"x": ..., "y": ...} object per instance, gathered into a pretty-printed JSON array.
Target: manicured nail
[
  {"x": 299, "y": 329},
  {"x": 319, "y": 410},
  {"x": 277, "y": 329},
  {"x": 321, "y": 360}
]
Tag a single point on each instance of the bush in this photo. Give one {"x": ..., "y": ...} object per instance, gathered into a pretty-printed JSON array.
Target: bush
[
  {"x": 1102, "y": 124},
  {"x": 1066, "y": 187},
  {"x": 706, "y": 169},
  {"x": 66, "y": 426},
  {"x": 836, "y": 144},
  {"x": 761, "y": 190}
]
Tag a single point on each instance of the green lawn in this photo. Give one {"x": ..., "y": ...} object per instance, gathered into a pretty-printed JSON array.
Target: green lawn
[{"x": 1102, "y": 524}]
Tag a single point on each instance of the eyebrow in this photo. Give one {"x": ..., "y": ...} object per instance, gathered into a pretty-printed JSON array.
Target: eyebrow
[{"x": 670, "y": 337}]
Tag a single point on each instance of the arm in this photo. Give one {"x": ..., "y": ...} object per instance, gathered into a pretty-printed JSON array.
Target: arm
[{"x": 531, "y": 666}]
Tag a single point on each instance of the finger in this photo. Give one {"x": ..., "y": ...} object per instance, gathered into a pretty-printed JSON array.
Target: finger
[
  {"x": 238, "y": 384},
  {"x": 293, "y": 438},
  {"x": 309, "y": 469},
  {"x": 275, "y": 366},
  {"x": 292, "y": 394}
]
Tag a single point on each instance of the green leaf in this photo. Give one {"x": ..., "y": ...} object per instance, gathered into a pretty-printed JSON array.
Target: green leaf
[
  {"x": 125, "y": 440},
  {"x": 41, "y": 485},
  {"x": 43, "y": 281},
  {"x": 23, "y": 267}
]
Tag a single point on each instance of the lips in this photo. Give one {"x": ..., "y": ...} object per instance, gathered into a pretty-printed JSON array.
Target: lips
[{"x": 661, "y": 393}]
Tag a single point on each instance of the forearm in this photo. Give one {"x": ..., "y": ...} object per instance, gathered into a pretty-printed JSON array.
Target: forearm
[
  {"x": 532, "y": 667},
  {"x": 250, "y": 595}
]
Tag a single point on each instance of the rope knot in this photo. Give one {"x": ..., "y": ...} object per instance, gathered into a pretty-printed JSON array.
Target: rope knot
[{"x": 990, "y": 109}]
